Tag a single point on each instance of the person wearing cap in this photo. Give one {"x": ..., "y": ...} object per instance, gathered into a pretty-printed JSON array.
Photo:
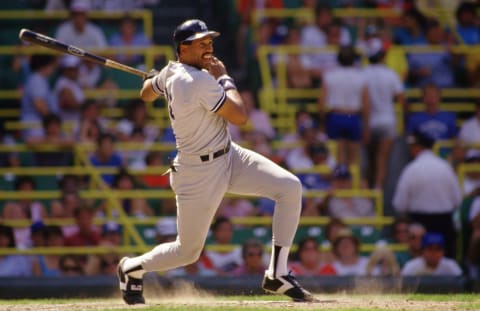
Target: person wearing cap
[
  {"x": 384, "y": 87},
  {"x": 78, "y": 30},
  {"x": 428, "y": 190},
  {"x": 344, "y": 107},
  {"x": 432, "y": 261},
  {"x": 202, "y": 98},
  {"x": 345, "y": 207},
  {"x": 67, "y": 91}
]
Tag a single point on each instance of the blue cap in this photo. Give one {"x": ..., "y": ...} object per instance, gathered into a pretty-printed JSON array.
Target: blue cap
[{"x": 433, "y": 238}]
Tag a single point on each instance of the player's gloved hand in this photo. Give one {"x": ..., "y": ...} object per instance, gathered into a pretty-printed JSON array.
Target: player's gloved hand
[{"x": 152, "y": 73}]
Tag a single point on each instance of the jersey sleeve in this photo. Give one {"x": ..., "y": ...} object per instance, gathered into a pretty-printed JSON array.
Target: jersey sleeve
[
  {"x": 210, "y": 94},
  {"x": 158, "y": 83}
]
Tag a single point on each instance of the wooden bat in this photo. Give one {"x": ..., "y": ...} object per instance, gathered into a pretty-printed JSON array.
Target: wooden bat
[{"x": 51, "y": 43}]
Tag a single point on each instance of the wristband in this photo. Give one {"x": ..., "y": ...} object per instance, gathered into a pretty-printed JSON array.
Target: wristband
[{"x": 227, "y": 82}]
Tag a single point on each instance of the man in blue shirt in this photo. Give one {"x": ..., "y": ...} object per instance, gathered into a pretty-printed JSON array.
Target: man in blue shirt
[{"x": 437, "y": 124}]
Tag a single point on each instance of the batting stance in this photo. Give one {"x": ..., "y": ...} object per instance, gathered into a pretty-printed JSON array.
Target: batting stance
[{"x": 202, "y": 98}]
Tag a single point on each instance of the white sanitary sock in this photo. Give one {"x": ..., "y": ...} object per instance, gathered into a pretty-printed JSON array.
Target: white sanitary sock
[
  {"x": 278, "y": 262},
  {"x": 133, "y": 267}
]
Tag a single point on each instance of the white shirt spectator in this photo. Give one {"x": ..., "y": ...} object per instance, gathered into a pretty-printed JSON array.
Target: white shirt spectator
[
  {"x": 470, "y": 131},
  {"x": 417, "y": 267},
  {"x": 474, "y": 209},
  {"x": 383, "y": 84},
  {"x": 344, "y": 88},
  {"x": 312, "y": 36},
  {"x": 62, "y": 83},
  {"x": 226, "y": 261},
  {"x": 427, "y": 185},
  {"x": 359, "y": 268},
  {"x": 91, "y": 37}
]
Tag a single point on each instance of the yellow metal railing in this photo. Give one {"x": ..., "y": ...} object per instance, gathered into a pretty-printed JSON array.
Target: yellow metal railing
[
  {"x": 275, "y": 97},
  {"x": 61, "y": 15}
]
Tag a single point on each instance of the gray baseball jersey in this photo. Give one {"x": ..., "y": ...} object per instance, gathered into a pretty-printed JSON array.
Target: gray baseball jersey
[{"x": 208, "y": 165}]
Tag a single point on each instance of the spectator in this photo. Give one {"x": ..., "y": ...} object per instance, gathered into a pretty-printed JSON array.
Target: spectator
[
  {"x": 416, "y": 231},
  {"x": 136, "y": 117},
  {"x": 91, "y": 125},
  {"x": 70, "y": 265},
  {"x": 155, "y": 159},
  {"x": 87, "y": 233},
  {"x": 308, "y": 260},
  {"x": 106, "y": 264},
  {"x": 37, "y": 99},
  {"x": 432, "y": 67},
  {"x": 128, "y": 36},
  {"x": 105, "y": 155},
  {"x": 400, "y": 230},
  {"x": 345, "y": 207},
  {"x": 135, "y": 159},
  {"x": 166, "y": 229},
  {"x": 319, "y": 155},
  {"x": 258, "y": 119},
  {"x": 432, "y": 261},
  {"x": 49, "y": 265},
  {"x": 137, "y": 207},
  {"x": 428, "y": 190},
  {"x": 311, "y": 140},
  {"x": 344, "y": 95},
  {"x": 52, "y": 135},
  {"x": 65, "y": 207},
  {"x": 433, "y": 122},
  {"x": 315, "y": 36},
  {"x": 224, "y": 261},
  {"x": 472, "y": 261},
  {"x": 202, "y": 267},
  {"x": 7, "y": 159},
  {"x": 467, "y": 26},
  {"x": 38, "y": 234},
  {"x": 331, "y": 230},
  {"x": 236, "y": 207},
  {"x": 382, "y": 262},
  {"x": 469, "y": 132},
  {"x": 303, "y": 121},
  {"x": 24, "y": 208},
  {"x": 471, "y": 180},
  {"x": 78, "y": 30},
  {"x": 67, "y": 90},
  {"x": 252, "y": 255},
  {"x": 298, "y": 76},
  {"x": 346, "y": 248},
  {"x": 384, "y": 87},
  {"x": 12, "y": 265},
  {"x": 411, "y": 31}
]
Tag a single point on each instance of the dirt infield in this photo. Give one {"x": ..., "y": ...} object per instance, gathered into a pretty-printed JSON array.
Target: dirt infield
[{"x": 327, "y": 302}]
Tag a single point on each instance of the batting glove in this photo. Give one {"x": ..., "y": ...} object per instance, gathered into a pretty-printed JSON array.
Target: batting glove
[{"x": 152, "y": 73}]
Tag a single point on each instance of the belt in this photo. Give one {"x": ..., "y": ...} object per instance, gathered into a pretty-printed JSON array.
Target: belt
[{"x": 216, "y": 154}]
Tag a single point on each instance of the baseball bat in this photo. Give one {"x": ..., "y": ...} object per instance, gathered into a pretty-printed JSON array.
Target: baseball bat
[{"x": 51, "y": 43}]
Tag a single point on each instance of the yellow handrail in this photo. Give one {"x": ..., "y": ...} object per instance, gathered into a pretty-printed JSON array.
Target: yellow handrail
[{"x": 61, "y": 15}]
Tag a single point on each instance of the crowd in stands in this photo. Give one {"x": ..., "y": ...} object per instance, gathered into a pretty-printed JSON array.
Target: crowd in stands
[{"x": 359, "y": 80}]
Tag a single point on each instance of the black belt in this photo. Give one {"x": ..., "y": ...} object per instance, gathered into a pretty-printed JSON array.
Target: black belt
[{"x": 216, "y": 154}]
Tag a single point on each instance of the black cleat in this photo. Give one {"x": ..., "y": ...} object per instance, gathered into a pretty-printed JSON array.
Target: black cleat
[
  {"x": 132, "y": 288},
  {"x": 287, "y": 285}
]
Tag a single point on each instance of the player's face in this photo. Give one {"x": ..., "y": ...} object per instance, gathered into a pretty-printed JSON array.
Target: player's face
[{"x": 199, "y": 53}]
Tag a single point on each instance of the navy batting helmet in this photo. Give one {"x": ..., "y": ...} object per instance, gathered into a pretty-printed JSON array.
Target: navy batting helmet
[{"x": 190, "y": 30}]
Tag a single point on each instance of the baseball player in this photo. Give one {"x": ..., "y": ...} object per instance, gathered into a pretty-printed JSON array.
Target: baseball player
[{"x": 202, "y": 98}]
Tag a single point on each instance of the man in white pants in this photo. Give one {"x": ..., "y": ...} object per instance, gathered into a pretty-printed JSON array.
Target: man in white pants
[{"x": 202, "y": 98}]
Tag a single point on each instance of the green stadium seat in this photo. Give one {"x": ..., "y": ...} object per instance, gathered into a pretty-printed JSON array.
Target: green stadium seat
[{"x": 311, "y": 232}]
